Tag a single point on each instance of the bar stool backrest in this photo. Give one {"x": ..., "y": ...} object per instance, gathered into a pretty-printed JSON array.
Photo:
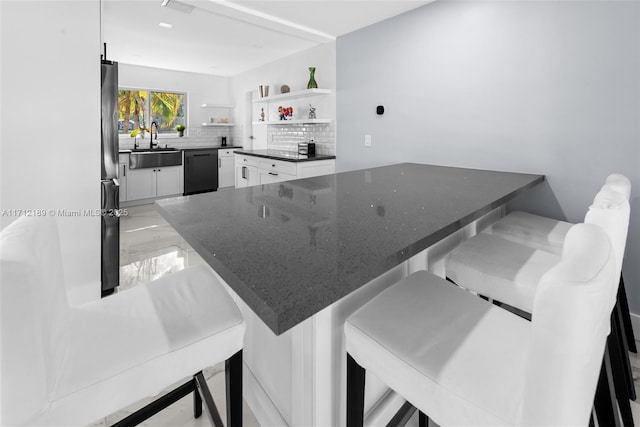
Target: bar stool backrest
[
  {"x": 620, "y": 183},
  {"x": 34, "y": 316},
  {"x": 610, "y": 210},
  {"x": 570, "y": 323}
]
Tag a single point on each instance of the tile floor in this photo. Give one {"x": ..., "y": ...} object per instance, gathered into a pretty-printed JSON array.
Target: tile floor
[{"x": 151, "y": 248}]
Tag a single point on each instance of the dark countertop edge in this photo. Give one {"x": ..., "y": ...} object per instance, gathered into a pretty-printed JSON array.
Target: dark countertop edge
[
  {"x": 285, "y": 159},
  {"x": 218, "y": 147}
]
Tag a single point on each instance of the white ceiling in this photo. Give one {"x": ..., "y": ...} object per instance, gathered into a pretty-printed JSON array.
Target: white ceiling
[{"x": 225, "y": 37}]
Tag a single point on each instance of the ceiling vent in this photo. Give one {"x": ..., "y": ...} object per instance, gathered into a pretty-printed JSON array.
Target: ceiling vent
[{"x": 178, "y": 5}]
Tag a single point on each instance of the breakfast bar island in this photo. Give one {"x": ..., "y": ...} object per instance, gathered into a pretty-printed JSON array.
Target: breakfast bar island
[{"x": 301, "y": 256}]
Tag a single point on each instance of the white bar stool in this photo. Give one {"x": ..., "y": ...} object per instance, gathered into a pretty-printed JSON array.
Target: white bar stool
[
  {"x": 509, "y": 272},
  {"x": 548, "y": 234},
  {"x": 70, "y": 366},
  {"x": 464, "y": 361}
]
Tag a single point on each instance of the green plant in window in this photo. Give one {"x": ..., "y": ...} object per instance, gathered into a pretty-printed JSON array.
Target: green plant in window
[{"x": 167, "y": 109}]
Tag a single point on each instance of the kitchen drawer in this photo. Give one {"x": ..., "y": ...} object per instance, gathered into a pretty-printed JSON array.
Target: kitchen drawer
[
  {"x": 277, "y": 166},
  {"x": 123, "y": 158},
  {"x": 267, "y": 177},
  {"x": 246, "y": 160},
  {"x": 227, "y": 152}
]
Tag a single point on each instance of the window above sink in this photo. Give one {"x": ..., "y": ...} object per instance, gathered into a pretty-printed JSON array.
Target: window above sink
[{"x": 138, "y": 108}]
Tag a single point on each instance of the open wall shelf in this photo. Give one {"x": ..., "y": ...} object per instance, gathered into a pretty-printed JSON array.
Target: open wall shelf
[
  {"x": 305, "y": 93},
  {"x": 294, "y": 122}
]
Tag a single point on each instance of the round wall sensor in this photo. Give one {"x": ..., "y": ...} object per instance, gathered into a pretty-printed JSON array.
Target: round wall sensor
[{"x": 380, "y": 110}]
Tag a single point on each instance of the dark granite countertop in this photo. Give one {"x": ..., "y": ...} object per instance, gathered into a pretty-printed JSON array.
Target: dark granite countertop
[
  {"x": 218, "y": 147},
  {"x": 289, "y": 156},
  {"x": 291, "y": 249},
  {"x": 202, "y": 147}
]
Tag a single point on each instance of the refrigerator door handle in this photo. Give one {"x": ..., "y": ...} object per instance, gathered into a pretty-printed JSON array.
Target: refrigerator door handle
[
  {"x": 116, "y": 197},
  {"x": 110, "y": 224}
]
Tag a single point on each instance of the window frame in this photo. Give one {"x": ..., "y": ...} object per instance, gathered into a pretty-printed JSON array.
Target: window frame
[{"x": 147, "y": 111}]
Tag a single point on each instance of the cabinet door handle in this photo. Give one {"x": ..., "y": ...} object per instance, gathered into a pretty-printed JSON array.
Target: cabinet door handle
[
  {"x": 244, "y": 172},
  {"x": 274, "y": 174},
  {"x": 124, "y": 170},
  {"x": 219, "y": 163},
  {"x": 202, "y": 155}
]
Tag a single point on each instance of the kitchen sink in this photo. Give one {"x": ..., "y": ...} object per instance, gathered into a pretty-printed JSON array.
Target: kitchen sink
[{"x": 157, "y": 157}]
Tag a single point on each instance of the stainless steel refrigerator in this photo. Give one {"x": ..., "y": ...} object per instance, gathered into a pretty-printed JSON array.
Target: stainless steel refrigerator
[{"x": 110, "y": 221}]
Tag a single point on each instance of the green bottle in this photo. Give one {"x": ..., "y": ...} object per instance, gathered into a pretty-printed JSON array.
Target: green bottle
[{"x": 312, "y": 79}]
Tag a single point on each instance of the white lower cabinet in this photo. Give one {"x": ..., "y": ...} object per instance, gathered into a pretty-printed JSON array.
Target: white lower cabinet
[
  {"x": 252, "y": 170},
  {"x": 157, "y": 182},
  {"x": 226, "y": 168},
  {"x": 169, "y": 181},
  {"x": 247, "y": 176},
  {"x": 141, "y": 184}
]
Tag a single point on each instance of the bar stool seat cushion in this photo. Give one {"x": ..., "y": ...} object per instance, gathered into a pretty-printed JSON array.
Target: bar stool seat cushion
[
  {"x": 506, "y": 271},
  {"x": 66, "y": 365},
  {"x": 545, "y": 233},
  {"x": 463, "y": 361},
  {"x": 536, "y": 231},
  {"x": 136, "y": 342},
  {"x": 431, "y": 363}
]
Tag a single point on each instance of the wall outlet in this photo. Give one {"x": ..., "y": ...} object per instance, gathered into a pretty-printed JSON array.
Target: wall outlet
[{"x": 367, "y": 140}]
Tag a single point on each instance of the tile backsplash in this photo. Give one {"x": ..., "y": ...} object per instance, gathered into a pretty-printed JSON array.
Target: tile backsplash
[
  {"x": 286, "y": 137},
  {"x": 197, "y": 136},
  {"x": 279, "y": 137}
]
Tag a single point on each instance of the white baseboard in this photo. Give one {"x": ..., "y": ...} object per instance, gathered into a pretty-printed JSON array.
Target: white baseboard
[{"x": 259, "y": 402}]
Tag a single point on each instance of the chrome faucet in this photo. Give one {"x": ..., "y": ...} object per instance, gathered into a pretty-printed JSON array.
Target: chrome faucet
[{"x": 151, "y": 143}]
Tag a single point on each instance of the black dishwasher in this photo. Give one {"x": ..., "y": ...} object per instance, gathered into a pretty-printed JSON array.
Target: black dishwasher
[{"x": 200, "y": 171}]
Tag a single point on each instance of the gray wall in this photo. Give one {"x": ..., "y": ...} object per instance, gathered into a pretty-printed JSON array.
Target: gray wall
[{"x": 540, "y": 87}]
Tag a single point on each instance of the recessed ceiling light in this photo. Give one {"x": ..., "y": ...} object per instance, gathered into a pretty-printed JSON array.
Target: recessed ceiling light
[
  {"x": 257, "y": 45},
  {"x": 178, "y": 5},
  {"x": 165, "y": 25}
]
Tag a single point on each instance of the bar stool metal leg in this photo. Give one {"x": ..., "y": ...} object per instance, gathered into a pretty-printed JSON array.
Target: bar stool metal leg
[
  {"x": 233, "y": 377},
  {"x": 355, "y": 393},
  {"x": 402, "y": 417},
  {"x": 619, "y": 375},
  {"x": 605, "y": 398},
  {"x": 205, "y": 394},
  {"x": 197, "y": 403},
  {"x": 423, "y": 420},
  {"x": 617, "y": 318},
  {"x": 626, "y": 317}
]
